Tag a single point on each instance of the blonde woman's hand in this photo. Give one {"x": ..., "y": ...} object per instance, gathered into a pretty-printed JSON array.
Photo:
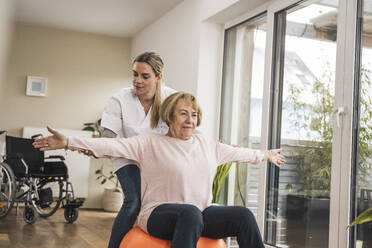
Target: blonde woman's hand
[
  {"x": 275, "y": 157},
  {"x": 87, "y": 152},
  {"x": 54, "y": 142}
]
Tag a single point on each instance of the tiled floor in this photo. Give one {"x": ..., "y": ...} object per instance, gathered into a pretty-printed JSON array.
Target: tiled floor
[{"x": 91, "y": 230}]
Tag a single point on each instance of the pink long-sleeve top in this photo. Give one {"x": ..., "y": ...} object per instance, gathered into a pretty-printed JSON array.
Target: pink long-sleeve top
[{"x": 172, "y": 170}]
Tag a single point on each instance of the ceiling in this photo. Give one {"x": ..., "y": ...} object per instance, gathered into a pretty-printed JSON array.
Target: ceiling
[{"x": 122, "y": 18}]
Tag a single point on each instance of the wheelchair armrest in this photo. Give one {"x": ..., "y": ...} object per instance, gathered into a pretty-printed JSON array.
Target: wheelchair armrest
[
  {"x": 55, "y": 156},
  {"x": 14, "y": 156},
  {"x": 36, "y": 135}
]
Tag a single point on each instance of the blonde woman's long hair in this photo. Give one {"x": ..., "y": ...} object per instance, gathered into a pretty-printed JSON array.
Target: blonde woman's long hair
[
  {"x": 156, "y": 63},
  {"x": 169, "y": 105}
]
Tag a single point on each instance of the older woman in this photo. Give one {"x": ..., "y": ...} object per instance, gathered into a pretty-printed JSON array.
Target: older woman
[{"x": 177, "y": 171}]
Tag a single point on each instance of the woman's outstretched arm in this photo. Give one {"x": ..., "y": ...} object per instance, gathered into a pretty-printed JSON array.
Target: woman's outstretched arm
[
  {"x": 227, "y": 153},
  {"x": 131, "y": 148}
]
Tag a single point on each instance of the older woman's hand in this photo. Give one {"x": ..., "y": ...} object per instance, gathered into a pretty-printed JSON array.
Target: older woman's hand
[
  {"x": 275, "y": 157},
  {"x": 56, "y": 141}
]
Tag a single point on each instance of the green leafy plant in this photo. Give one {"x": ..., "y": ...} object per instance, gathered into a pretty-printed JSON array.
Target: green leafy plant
[
  {"x": 314, "y": 158},
  {"x": 364, "y": 217},
  {"x": 111, "y": 177},
  {"x": 219, "y": 180},
  {"x": 93, "y": 127}
]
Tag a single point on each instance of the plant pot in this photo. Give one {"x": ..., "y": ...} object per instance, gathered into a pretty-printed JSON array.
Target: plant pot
[
  {"x": 112, "y": 200},
  {"x": 307, "y": 221}
]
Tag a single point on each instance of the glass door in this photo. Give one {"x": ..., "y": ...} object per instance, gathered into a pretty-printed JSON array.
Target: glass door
[
  {"x": 361, "y": 200},
  {"x": 241, "y": 108},
  {"x": 302, "y": 103}
]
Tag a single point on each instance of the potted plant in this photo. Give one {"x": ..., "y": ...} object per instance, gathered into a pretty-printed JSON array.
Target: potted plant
[{"x": 112, "y": 198}]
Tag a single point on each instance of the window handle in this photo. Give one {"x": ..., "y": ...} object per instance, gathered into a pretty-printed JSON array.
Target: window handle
[{"x": 339, "y": 112}]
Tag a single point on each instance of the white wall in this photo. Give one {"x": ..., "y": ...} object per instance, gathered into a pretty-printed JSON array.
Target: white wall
[
  {"x": 175, "y": 37},
  {"x": 209, "y": 77},
  {"x": 83, "y": 70},
  {"x": 212, "y": 8},
  {"x": 7, "y": 10},
  {"x": 190, "y": 40}
]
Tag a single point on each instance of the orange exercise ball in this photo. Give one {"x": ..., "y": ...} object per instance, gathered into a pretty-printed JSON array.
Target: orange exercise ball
[{"x": 136, "y": 238}]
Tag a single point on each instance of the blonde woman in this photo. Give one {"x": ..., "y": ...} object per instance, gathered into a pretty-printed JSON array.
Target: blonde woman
[
  {"x": 178, "y": 171},
  {"x": 128, "y": 113}
]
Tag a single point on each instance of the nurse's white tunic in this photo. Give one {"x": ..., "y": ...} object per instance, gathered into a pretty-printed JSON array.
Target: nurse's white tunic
[{"x": 124, "y": 115}]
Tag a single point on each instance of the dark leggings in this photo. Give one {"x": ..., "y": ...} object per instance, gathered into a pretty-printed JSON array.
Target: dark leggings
[
  {"x": 184, "y": 224},
  {"x": 130, "y": 180}
]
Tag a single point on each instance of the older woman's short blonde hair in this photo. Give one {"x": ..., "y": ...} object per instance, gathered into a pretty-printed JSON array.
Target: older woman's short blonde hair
[{"x": 169, "y": 105}]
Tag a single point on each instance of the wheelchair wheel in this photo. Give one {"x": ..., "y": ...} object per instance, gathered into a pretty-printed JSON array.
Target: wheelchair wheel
[
  {"x": 29, "y": 214},
  {"x": 49, "y": 196},
  {"x": 71, "y": 214},
  {"x": 7, "y": 189}
]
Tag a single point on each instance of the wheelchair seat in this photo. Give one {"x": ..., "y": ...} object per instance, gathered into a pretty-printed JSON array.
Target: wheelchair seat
[
  {"x": 56, "y": 169},
  {"x": 18, "y": 149}
]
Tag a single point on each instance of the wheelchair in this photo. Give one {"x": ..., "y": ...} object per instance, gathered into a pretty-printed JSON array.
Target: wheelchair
[
  {"x": 7, "y": 189},
  {"x": 41, "y": 183}
]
